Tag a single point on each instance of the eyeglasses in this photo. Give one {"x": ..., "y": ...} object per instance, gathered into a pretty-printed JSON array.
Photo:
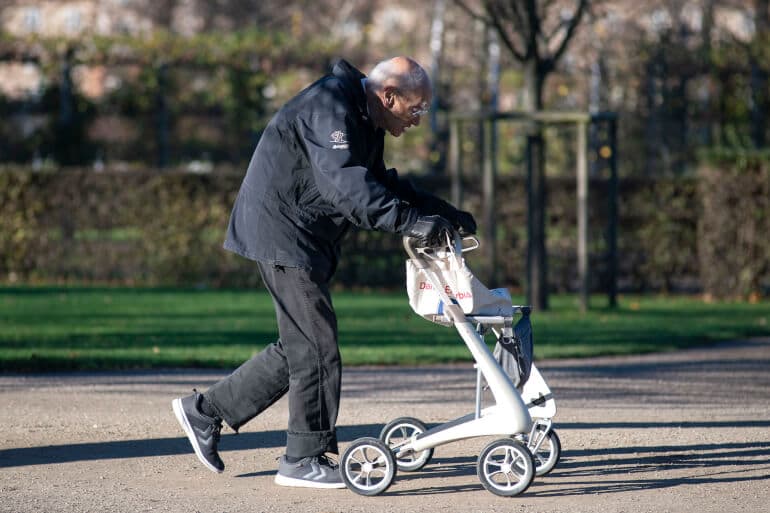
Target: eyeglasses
[{"x": 419, "y": 110}]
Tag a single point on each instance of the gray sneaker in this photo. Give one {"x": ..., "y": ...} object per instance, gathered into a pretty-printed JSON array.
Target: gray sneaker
[
  {"x": 311, "y": 472},
  {"x": 202, "y": 430}
]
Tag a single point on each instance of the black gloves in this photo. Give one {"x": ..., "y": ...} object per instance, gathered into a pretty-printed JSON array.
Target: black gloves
[
  {"x": 464, "y": 223},
  {"x": 429, "y": 230},
  {"x": 461, "y": 220}
]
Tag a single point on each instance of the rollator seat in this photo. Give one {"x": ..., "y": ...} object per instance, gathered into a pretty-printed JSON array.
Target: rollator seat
[{"x": 486, "y": 320}]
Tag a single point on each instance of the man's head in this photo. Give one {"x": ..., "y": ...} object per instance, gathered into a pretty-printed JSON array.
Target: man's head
[{"x": 398, "y": 93}]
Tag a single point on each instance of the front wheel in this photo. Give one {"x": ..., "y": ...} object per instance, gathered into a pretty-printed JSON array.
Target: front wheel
[
  {"x": 506, "y": 467},
  {"x": 547, "y": 454},
  {"x": 368, "y": 466},
  {"x": 399, "y": 432}
]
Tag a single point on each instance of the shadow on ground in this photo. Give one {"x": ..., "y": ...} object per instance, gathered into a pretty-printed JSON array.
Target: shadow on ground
[
  {"x": 121, "y": 449},
  {"x": 580, "y": 472},
  {"x": 586, "y": 472}
]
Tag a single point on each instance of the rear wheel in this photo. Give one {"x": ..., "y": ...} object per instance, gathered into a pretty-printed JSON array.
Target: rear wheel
[
  {"x": 399, "y": 432},
  {"x": 368, "y": 467}
]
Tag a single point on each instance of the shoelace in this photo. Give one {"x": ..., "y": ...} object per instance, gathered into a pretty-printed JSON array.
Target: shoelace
[
  {"x": 325, "y": 460},
  {"x": 217, "y": 424},
  {"x": 322, "y": 459}
]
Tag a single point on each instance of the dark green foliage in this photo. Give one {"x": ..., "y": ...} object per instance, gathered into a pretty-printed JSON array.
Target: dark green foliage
[
  {"x": 150, "y": 228},
  {"x": 172, "y": 98},
  {"x": 734, "y": 228},
  {"x": 138, "y": 227},
  {"x": 153, "y": 228},
  {"x": 657, "y": 240}
]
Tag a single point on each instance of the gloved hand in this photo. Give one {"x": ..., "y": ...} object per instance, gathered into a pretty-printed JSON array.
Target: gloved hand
[
  {"x": 429, "y": 230},
  {"x": 464, "y": 223},
  {"x": 461, "y": 220}
]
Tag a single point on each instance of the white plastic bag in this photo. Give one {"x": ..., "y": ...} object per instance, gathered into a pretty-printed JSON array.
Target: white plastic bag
[{"x": 459, "y": 284}]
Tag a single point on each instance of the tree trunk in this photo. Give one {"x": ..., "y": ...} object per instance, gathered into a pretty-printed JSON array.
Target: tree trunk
[
  {"x": 439, "y": 131},
  {"x": 652, "y": 129},
  {"x": 482, "y": 89},
  {"x": 490, "y": 158},
  {"x": 706, "y": 29},
  {"x": 537, "y": 256},
  {"x": 759, "y": 76},
  {"x": 678, "y": 124},
  {"x": 65, "y": 150},
  {"x": 161, "y": 118}
]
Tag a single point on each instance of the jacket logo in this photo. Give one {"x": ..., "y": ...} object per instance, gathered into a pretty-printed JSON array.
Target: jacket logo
[{"x": 337, "y": 138}]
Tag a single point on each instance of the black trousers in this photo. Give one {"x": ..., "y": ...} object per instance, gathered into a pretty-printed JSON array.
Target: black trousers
[{"x": 305, "y": 362}]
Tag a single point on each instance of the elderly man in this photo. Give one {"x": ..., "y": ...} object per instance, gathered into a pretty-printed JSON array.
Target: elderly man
[{"x": 317, "y": 170}]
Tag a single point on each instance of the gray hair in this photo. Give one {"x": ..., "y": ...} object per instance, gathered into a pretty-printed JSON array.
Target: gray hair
[{"x": 414, "y": 79}]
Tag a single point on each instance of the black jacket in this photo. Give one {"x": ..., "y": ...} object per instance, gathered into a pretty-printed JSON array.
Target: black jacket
[{"x": 317, "y": 169}]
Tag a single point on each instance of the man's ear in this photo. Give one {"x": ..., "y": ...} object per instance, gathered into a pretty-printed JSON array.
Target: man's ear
[{"x": 389, "y": 96}]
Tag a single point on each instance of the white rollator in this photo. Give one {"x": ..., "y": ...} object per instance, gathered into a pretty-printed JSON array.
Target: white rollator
[
  {"x": 543, "y": 440},
  {"x": 506, "y": 467}
]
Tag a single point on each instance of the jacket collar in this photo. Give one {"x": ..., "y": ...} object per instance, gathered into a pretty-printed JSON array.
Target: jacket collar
[{"x": 351, "y": 78}]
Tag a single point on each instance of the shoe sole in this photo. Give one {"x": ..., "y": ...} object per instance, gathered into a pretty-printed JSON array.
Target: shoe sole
[
  {"x": 176, "y": 405},
  {"x": 304, "y": 483}
]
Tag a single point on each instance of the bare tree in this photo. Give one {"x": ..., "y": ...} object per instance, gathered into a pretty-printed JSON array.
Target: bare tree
[
  {"x": 758, "y": 73},
  {"x": 314, "y": 16},
  {"x": 536, "y": 33},
  {"x": 238, "y": 14},
  {"x": 161, "y": 12}
]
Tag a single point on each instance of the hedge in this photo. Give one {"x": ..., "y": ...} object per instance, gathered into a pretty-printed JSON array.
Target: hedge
[
  {"x": 141, "y": 228},
  {"x": 734, "y": 228},
  {"x": 166, "y": 229}
]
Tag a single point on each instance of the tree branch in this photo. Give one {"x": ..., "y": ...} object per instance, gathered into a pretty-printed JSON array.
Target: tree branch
[
  {"x": 495, "y": 15},
  {"x": 534, "y": 25},
  {"x": 518, "y": 19},
  {"x": 517, "y": 54},
  {"x": 555, "y": 32},
  {"x": 574, "y": 22},
  {"x": 473, "y": 14},
  {"x": 545, "y": 7}
]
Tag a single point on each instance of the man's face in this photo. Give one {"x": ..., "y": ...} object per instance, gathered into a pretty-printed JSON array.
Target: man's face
[{"x": 404, "y": 110}]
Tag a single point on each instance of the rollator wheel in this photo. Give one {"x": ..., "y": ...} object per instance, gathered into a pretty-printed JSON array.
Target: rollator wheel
[
  {"x": 398, "y": 432},
  {"x": 368, "y": 466},
  {"x": 506, "y": 467},
  {"x": 548, "y": 454}
]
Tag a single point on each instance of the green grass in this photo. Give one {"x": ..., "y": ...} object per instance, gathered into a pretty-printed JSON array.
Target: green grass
[{"x": 43, "y": 329}]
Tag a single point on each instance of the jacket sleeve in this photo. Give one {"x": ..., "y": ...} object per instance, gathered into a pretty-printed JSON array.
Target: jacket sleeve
[
  {"x": 427, "y": 203},
  {"x": 402, "y": 187},
  {"x": 336, "y": 150}
]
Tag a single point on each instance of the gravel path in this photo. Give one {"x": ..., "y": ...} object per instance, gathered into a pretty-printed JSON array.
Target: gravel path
[{"x": 679, "y": 432}]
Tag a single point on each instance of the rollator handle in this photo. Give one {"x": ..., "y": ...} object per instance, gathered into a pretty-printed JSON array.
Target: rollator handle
[{"x": 456, "y": 244}]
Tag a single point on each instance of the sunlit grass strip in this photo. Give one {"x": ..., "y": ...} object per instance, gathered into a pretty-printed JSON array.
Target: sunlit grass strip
[{"x": 44, "y": 329}]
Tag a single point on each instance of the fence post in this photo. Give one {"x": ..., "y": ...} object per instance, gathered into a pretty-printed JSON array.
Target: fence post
[
  {"x": 455, "y": 173},
  {"x": 582, "y": 215},
  {"x": 612, "y": 222},
  {"x": 537, "y": 260},
  {"x": 65, "y": 148},
  {"x": 162, "y": 118},
  {"x": 489, "y": 217}
]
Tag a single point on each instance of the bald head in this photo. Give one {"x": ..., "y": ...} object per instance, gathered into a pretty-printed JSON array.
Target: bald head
[
  {"x": 402, "y": 73},
  {"x": 398, "y": 93}
]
